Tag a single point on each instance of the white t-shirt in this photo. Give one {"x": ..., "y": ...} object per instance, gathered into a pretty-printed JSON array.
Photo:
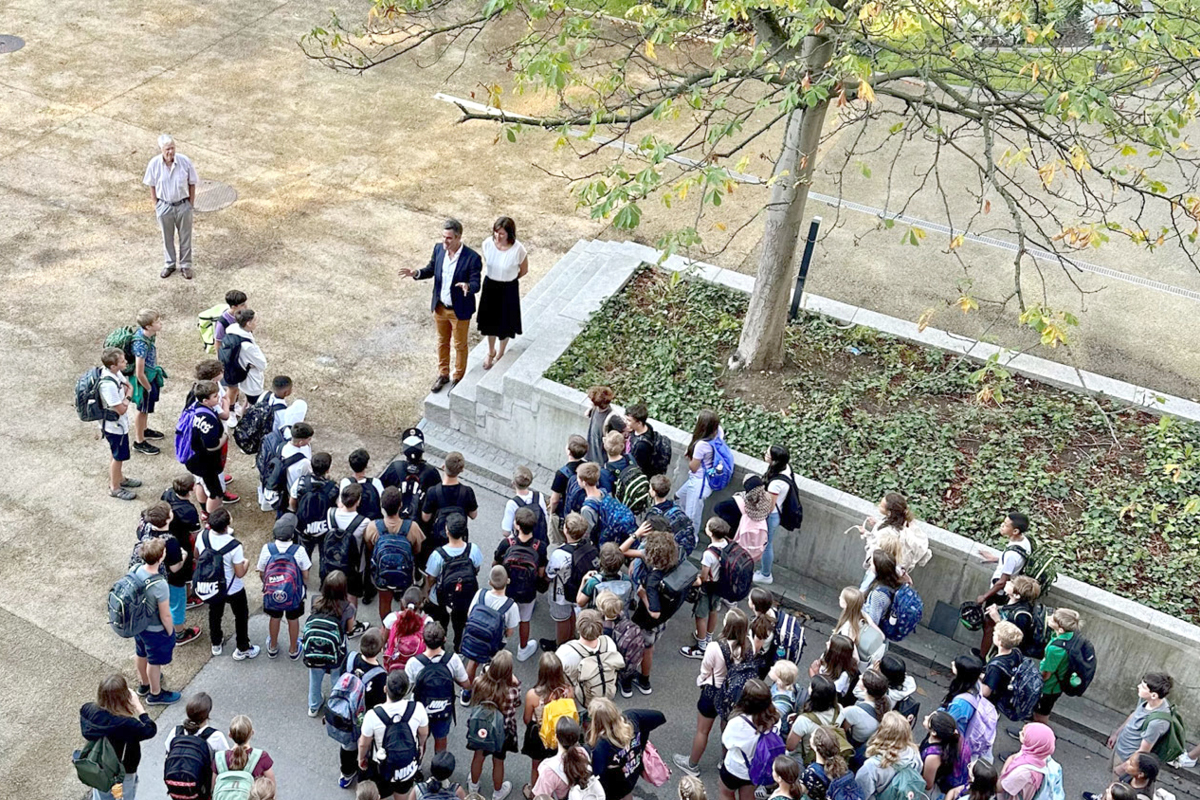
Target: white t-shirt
[
  {"x": 216, "y": 740},
  {"x": 373, "y": 726},
  {"x": 235, "y": 556},
  {"x": 510, "y": 510},
  {"x": 712, "y": 560},
  {"x": 1011, "y": 563},
  {"x": 298, "y": 470},
  {"x": 803, "y": 726},
  {"x": 112, "y": 395},
  {"x": 511, "y": 617},
  {"x": 301, "y": 555},
  {"x": 503, "y": 265},
  {"x": 457, "y": 671},
  {"x": 780, "y": 488},
  {"x": 739, "y": 740},
  {"x": 251, "y": 358}
]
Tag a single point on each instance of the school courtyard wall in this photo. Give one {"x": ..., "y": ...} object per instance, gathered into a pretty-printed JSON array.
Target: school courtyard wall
[{"x": 513, "y": 408}]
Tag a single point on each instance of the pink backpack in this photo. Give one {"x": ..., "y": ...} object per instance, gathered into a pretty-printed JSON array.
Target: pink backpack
[
  {"x": 981, "y": 728},
  {"x": 751, "y": 534},
  {"x": 405, "y": 640}
]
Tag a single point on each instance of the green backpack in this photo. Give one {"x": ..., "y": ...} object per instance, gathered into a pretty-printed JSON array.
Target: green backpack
[
  {"x": 206, "y": 321},
  {"x": 485, "y": 729},
  {"x": 1039, "y": 565},
  {"x": 97, "y": 765},
  {"x": 234, "y": 784},
  {"x": 1172, "y": 744},
  {"x": 123, "y": 339},
  {"x": 906, "y": 784}
]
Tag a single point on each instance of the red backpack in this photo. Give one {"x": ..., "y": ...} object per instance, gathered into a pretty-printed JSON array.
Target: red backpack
[{"x": 405, "y": 640}]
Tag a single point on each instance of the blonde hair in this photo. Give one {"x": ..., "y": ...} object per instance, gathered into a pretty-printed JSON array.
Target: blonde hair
[
  {"x": 852, "y": 613},
  {"x": 1067, "y": 619},
  {"x": 1008, "y": 635},
  {"x": 784, "y": 673},
  {"x": 891, "y": 739},
  {"x": 1026, "y": 588},
  {"x": 147, "y": 317},
  {"x": 609, "y": 605},
  {"x": 588, "y": 474},
  {"x": 240, "y": 731},
  {"x": 609, "y": 723},
  {"x": 691, "y": 789},
  {"x": 367, "y": 790},
  {"x": 264, "y": 789},
  {"x": 614, "y": 443},
  {"x": 889, "y": 542},
  {"x": 575, "y": 526}
]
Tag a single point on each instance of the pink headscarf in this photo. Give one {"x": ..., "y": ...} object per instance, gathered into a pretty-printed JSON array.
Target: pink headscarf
[{"x": 1037, "y": 747}]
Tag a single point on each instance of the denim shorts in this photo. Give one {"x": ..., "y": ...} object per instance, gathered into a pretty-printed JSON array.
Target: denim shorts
[
  {"x": 118, "y": 443},
  {"x": 155, "y": 646}
]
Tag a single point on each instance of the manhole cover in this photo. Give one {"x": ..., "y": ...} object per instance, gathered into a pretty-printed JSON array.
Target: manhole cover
[
  {"x": 10, "y": 44},
  {"x": 213, "y": 196}
]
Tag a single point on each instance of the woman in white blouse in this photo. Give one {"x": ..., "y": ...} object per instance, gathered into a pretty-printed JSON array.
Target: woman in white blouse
[{"x": 505, "y": 263}]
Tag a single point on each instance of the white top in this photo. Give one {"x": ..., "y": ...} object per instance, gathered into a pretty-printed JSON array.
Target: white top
[
  {"x": 170, "y": 183},
  {"x": 1011, "y": 563},
  {"x": 780, "y": 488},
  {"x": 374, "y": 727},
  {"x": 503, "y": 265},
  {"x": 570, "y": 653},
  {"x": 449, "y": 262},
  {"x": 301, "y": 555},
  {"x": 298, "y": 470},
  {"x": 216, "y": 740},
  {"x": 235, "y": 556},
  {"x": 111, "y": 395},
  {"x": 251, "y": 357},
  {"x": 914, "y": 546},
  {"x": 510, "y": 509},
  {"x": 414, "y": 667},
  {"x": 712, "y": 560},
  {"x": 739, "y": 740},
  {"x": 511, "y": 617}
]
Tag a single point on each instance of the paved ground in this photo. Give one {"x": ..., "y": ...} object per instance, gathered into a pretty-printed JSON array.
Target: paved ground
[{"x": 341, "y": 181}]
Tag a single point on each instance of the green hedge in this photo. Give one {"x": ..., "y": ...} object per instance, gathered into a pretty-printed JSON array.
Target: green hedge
[{"x": 868, "y": 413}]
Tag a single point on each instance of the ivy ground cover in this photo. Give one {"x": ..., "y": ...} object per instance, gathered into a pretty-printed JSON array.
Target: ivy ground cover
[{"x": 1114, "y": 491}]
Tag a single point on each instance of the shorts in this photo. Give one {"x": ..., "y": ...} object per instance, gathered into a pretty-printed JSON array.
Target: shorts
[
  {"x": 118, "y": 443},
  {"x": 1045, "y": 703},
  {"x": 706, "y": 706},
  {"x": 731, "y": 781},
  {"x": 651, "y": 636},
  {"x": 561, "y": 612},
  {"x": 155, "y": 646},
  {"x": 149, "y": 399},
  {"x": 388, "y": 788},
  {"x": 214, "y": 483},
  {"x": 533, "y": 746},
  {"x": 554, "y": 529},
  {"x": 707, "y": 604},
  {"x": 178, "y": 596},
  {"x": 440, "y": 728},
  {"x": 526, "y": 610},
  {"x": 295, "y": 613}
]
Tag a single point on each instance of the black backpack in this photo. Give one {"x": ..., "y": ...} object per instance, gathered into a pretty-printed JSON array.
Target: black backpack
[
  {"x": 457, "y": 583},
  {"x": 539, "y": 530},
  {"x": 584, "y": 559},
  {"x": 434, "y": 686},
  {"x": 256, "y": 424},
  {"x": 277, "y": 471},
  {"x": 522, "y": 562},
  {"x": 411, "y": 493},
  {"x": 314, "y": 498},
  {"x": 187, "y": 770},
  {"x": 399, "y": 746},
  {"x": 369, "y": 505},
  {"x": 208, "y": 579},
  {"x": 339, "y": 548},
  {"x": 736, "y": 572},
  {"x": 1081, "y": 664},
  {"x": 229, "y": 354},
  {"x": 660, "y": 453},
  {"x": 791, "y": 515}
]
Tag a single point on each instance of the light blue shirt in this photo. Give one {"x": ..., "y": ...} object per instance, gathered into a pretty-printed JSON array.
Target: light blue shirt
[{"x": 433, "y": 567}]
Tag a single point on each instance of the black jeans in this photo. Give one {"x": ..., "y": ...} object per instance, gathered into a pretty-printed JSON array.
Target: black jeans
[
  {"x": 241, "y": 619},
  {"x": 448, "y": 617}
]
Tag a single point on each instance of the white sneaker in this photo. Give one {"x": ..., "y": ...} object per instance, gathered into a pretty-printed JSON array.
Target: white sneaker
[
  {"x": 1184, "y": 762},
  {"x": 217, "y": 649},
  {"x": 766, "y": 580},
  {"x": 526, "y": 652},
  {"x": 242, "y": 655},
  {"x": 472, "y": 788},
  {"x": 503, "y": 791}
]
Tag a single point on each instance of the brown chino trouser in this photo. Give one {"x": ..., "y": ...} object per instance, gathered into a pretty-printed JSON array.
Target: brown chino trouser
[{"x": 449, "y": 326}]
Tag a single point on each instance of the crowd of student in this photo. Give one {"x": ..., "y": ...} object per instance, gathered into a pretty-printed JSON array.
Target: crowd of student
[{"x": 607, "y": 552}]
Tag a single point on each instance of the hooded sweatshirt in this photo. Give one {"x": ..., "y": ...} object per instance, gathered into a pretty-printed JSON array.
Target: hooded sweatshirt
[{"x": 125, "y": 733}]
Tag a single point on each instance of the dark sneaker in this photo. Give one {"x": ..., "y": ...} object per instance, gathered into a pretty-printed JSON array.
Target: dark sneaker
[
  {"x": 643, "y": 684},
  {"x": 150, "y": 433},
  {"x": 193, "y": 602},
  {"x": 146, "y": 448},
  {"x": 272, "y": 652},
  {"x": 294, "y": 656},
  {"x": 440, "y": 383},
  {"x": 163, "y": 698},
  {"x": 143, "y": 690},
  {"x": 692, "y": 651},
  {"x": 186, "y": 272},
  {"x": 465, "y": 697},
  {"x": 122, "y": 494},
  {"x": 346, "y": 781},
  {"x": 359, "y": 629},
  {"x": 186, "y": 635},
  {"x": 626, "y": 685},
  {"x": 130, "y": 483},
  {"x": 166, "y": 272},
  {"x": 548, "y": 645}
]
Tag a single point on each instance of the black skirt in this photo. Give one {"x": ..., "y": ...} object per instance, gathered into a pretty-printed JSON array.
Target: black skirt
[
  {"x": 500, "y": 309},
  {"x": 533, "y": 746}
]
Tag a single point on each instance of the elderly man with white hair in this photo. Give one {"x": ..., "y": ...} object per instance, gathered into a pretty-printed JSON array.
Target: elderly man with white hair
[{"x": 172, "y": 180}]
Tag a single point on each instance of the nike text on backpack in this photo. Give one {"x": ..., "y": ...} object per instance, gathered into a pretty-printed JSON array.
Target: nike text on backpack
[
  {"x": 485, "y": 729},
  {"x": 256, "y": 424},
  {"x": 632, "y": 488},
  {"x": 457, "y": 582},
  {"x": 1036, "y": 564},
  {"x": 735, "y": 574},
  {"x": 1024, "y": 689},
  {"x": 1172, "y": 744},
  {"x": 234, "y": 784},
  {"x": 718, "y": 475},
  {"x": 980, "y": 733},
  {"x": 767, "y": 748},
  {"x": 906, "y": 784},
  {"x": 131, "y": 608},
  {"x": 123, "y": 338},
  {"x": 535, "y": 505},
  {"x": 434, "y": 686},
  {"x": 630, "y": 643},
  {"x": 1081, "y": 666},
  {"x": 339, "y": 548},
  {"x": 904, "y": 612},
  {"x": 750, "y": 534},
  {"x": 187, "y": 772},
  {"x": 323, "y": 642},
  {"x": 208, "y": 579},
  {"x": 344, "y": 709},
  {"x": 483, "y": 635},
  {"x": 88, "y": 403},
  {"x": 598, "y": 671},
  {"x": 97, "y": 764},
  {"x": 184, "y": 451},
  {"x": 584, "y": 558},
  {"x": 229, "y": 353},
  {"x": 405, "y": 640},
  {"x": 283, "y": 580},
  {"x": 660, "y": 454},
  {"x": 521, "y": 561},
  {"x": 206, "y": 321},
  {"x": 681, "y": 527},
  {"x": 791, "y": 515},
  {"x": 615, "y": 521},
  {"x": 737, "y": 673},
  {"x": 552, "y": 712},
  {"x": 1052, "y": 782},
  {"x": 399, "y": 745},
  {"x": 315, "y": 496},
  {"x": 392, "y": 561}
]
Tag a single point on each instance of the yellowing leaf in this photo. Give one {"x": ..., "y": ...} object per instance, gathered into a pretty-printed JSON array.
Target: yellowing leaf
[
  {"x": 957, "y": 241},
  {"x": 1079, "y": 160},
  {"x": 924, "y": 320},
  {"x": 866, "y": 92},
  {"x": 967, "y": 304},
  {"x": 1046, "y": 172},
  {"x": 650, "y": 50},
  {"x": 719, "y": 226}
]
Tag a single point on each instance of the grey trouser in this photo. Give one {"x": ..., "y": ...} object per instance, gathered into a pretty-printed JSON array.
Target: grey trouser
[{"x": 176, "y": 218}]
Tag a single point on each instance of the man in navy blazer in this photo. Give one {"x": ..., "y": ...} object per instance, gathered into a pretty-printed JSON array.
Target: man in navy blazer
[{"x": 456, "y": 271}]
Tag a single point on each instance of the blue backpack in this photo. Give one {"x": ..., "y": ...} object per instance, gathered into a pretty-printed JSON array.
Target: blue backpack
[
  {"x": 720, "y": 473},
  {"x": 769, "y": 746},
  {"x": 1024, "y": 689},
  {"x": 483, "y": 635},
  {"x": 184, "y": 451},
  {"x": 283, "y": 581},
  {"x": 392, "y": 562},
  {"x": 904, "y": 613},
  {"x": 575, "y": 495},
  {"x": 680, "y": 525},
  {"x": 616, "y": 521},
  {"x": 844, "y": 788}
]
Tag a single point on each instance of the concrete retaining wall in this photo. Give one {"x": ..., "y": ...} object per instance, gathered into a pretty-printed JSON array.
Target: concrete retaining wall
[{"x": 519, "y": 411}]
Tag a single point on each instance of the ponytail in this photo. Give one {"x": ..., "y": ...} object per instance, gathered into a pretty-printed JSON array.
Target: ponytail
[
  {"x": 577, "y": 766},
  {"x": 240, "y": 731}
]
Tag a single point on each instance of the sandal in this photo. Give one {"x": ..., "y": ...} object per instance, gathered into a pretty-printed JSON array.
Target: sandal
[
  {"x": 489, "y": 361},
  {"x": 527, "y": 790}
]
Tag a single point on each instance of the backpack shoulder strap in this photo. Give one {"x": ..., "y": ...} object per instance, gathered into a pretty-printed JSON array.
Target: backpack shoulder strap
[
  {"x": 229, "y": 548},
  {"x": 424, "y": 660},
  {"x": 507, "y": 605},
  {"x": 408, "y": 712},
  {"x": 274, "y": 550},
  {"x": 380, "y": 528},
  {"x": 445, "y": 659},
  {"x": 252, "y": 761},
  {"x": 206, "y": 733},
  {"x": 355, "y": 523},
  {"x": 404, "y": 528},
  {"x": 219, "y": 760}
]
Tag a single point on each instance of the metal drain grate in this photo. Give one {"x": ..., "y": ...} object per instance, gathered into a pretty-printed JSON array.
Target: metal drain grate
[
  {"x": 213, "y": 196},
  {"x": 10, "y": 44}
]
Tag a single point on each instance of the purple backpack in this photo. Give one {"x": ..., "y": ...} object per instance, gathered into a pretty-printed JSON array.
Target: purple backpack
[
  {"x": 981, "y": 728},
  {"x": 184, "y": 452},
  {"x": 770, "y": 745}
]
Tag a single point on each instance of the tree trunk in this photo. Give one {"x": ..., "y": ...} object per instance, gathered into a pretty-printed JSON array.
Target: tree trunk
[{"x": 761, "y": 343}]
